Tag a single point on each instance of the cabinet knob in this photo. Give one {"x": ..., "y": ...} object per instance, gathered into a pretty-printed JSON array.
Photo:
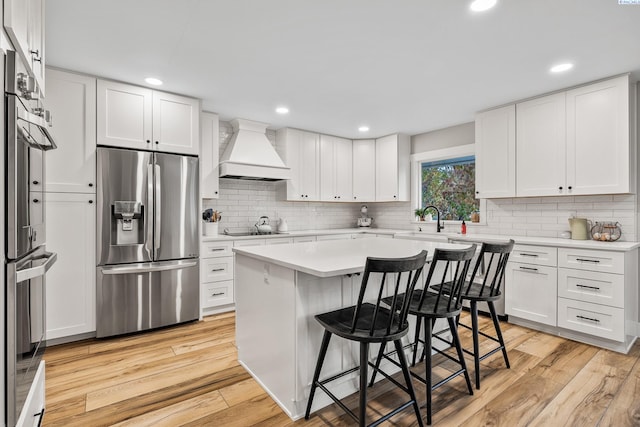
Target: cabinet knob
[
  {"x": 569, "y": 187},
  {"x": 36, "y": 182},
  {"x": 395, "y": 197},
  {"x": 560, "y": 188},
  {"x": 90, "y": 201},
  {"x": 36, "y": 200},
  {"x": 477, "y": 192},
  {"x": 148, "y": 141},
  {"x": 157, "y": 142},
  {"x": 354, "y": 197},
  {"x": 91, "y": 184},
  {"x": 215, "y": 192}
]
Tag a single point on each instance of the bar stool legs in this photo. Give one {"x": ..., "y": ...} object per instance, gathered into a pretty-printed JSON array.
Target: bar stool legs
[{"x": 316, "y": 375}]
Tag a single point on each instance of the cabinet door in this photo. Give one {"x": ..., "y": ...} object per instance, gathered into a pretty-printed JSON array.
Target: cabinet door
[
  {"x": 531, "y": 292},
  {"x": 124, "y": 115},
  {"x": 16, "y": 23},
  {"x": 335, "y": 169},
  {"x": 176, "y": 126},
  {"x": 364, "y": 170},
  {"x": 71, "y": 98},
  {"x": 598, "y": 150},
  {"x": 343, "y": 155},
  {"x": 36, "y": 41},
  {"x": 209, "y": 155},
  {"x": 541, "y": 147},
  {"x": 387, "y": 169},
  {"x": 327, "y": 168},
  {"x": 71, "y": 296},
  {"x": 496, "y": 153},
  {"x": 309, "y": 166}
]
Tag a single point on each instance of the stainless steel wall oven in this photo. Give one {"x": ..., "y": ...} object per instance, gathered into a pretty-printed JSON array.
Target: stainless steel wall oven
[{"x": 27, "y": 261}]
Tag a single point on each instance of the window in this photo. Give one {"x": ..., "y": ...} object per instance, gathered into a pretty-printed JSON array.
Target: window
[
  {"x": 450, "y": 186},
  {"x": 446, "y": 179}
]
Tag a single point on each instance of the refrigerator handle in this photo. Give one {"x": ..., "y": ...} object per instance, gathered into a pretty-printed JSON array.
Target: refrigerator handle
[
  {"x": 149, "y": 212},
  {"x": 157, "y": 210}
]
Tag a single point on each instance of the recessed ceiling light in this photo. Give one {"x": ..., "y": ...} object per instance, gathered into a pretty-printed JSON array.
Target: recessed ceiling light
[
  {"x": 561, "y": 67},
  {"x": 482, "y": 5},
  {"x": 153, "y": 81},
  {"x": 363, "y": 129},
  {"x": 282, "y": 110}
]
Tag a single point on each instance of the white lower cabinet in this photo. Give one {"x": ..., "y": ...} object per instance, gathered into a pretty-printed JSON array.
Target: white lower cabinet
[
  {"x": 531, "y": 287},
  {"x": 71, "y": 285},
  {"x": 588, "y": 295},
  {"x": 33, "y": 409},
  {"x": 216, "y": 276}
]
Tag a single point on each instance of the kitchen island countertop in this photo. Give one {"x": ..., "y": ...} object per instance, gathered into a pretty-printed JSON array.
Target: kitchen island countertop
[{"x": 338, "y": 257}]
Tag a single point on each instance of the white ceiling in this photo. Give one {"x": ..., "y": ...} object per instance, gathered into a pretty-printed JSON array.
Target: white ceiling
[{"x": 397, "y": 66}]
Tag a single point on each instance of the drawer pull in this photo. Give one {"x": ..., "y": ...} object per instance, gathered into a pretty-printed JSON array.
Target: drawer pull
[
  {"x": 587, "y": 287},
  {"x": 531, "y": 255},
  {"x": 529, "y": 268},
  {"x": 217, "y": 249},
  {"x": 217, "y": 294},
  {"x": 588, "y": 318},
  {"x": 595, "y": 261},
  {"x": 217, "y": 269}
]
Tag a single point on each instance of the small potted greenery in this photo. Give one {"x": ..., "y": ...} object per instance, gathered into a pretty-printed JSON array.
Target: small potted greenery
[{"x": 421, "y": 213}]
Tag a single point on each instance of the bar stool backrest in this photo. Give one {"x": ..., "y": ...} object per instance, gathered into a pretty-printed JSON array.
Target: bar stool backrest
[
  {"x": 490, "y": 283},
  {"x": 447, "y": 266},
  {"x": 407, "y": 271}
]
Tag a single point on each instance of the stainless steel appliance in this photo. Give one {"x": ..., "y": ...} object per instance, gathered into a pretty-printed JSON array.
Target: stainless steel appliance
[
  {"x": 26, "y": 259},
  {"x": 148, "y": 247}
]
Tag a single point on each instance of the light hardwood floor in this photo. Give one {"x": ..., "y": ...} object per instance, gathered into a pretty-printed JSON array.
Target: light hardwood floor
[{"x": 189, "y": 376}]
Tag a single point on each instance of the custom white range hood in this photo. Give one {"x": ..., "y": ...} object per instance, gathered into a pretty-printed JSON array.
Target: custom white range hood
[{"x": 250, "y": 155}]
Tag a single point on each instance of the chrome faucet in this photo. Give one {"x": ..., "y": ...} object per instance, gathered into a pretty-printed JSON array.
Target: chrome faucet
[{"x": 438, "y": 226}]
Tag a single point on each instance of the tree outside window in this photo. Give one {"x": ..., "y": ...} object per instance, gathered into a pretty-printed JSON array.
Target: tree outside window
[{"x": 450, "y": 186}]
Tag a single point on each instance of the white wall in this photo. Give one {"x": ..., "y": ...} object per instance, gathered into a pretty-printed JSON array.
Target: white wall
[{"x": 242, "y": 202}]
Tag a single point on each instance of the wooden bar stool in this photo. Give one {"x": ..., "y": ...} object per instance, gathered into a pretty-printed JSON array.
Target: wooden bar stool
[
  {"x": 370, "y": 323},
  {"x": 486, "y": 287},
  {"x": 448, "y": 266}
]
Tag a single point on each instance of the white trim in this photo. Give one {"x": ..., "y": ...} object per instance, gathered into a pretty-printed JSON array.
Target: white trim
[
  {"x": 445, "y": 153},
  {"x": 435, "y": 155}
]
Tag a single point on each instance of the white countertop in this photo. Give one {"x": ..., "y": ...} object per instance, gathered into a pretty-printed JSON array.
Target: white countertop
[
  {"x": 541, "y": 241},
  {"x": 338, "y": 257}
]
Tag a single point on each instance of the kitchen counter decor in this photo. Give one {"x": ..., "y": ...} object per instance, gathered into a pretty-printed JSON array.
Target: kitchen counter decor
[
  {"x": 606, "y": 231},
  {"x": 211, "y": 219}
]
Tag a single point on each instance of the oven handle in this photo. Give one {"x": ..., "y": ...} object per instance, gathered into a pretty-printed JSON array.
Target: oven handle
[
  {"x": 41, "y": 270},
  {"x": 149, "y": 267}
]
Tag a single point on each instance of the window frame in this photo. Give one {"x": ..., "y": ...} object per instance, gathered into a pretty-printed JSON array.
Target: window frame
[{"x": 433, "y": 156}]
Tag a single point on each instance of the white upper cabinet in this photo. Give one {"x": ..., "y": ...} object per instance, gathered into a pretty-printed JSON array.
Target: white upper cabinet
[
  {"x": 24, "y": 24},
  {"x": 209, "y": 155},
  {"x": 124, "y": 115},
  {"x": 176, "y": 123},
  {"x": 335, "y": 169},
  {"x": 600, "y": 158},
  {"x": 301, "y": 152},
  {"x": 71, "y": 98},
  {"x": 541, "y": 146},
  {"x": 139, "y": 118},
  {"x": 496, "y": 153},
  {"x": 392, "y": 168},
  {"x": 364, "y": 170}
]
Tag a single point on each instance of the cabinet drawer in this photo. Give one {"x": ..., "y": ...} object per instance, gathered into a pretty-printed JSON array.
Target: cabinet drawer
[
  {"x": 215, "y": 249},
  {"x": 216, "y": 293},
  {"x": 216, "y": 269},
  {"x": 304, "y": 239},
  {"x": 248, "y": 242},
  {"x": 279, "y": 241},
  {"x": 333, "y": 237},
  {"x": 540, "y": 255},
  {"x": 591, "y": 286},
  {"x": 599, "y": 320},
  {"x": 587, "y": 259}
]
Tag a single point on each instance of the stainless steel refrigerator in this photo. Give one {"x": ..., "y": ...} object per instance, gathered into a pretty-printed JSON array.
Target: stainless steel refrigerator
[{"x": 148, "y": 246}]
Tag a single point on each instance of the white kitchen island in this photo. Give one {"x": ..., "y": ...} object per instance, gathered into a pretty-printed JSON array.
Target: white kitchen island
[{"x": 280, "y": 288}]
